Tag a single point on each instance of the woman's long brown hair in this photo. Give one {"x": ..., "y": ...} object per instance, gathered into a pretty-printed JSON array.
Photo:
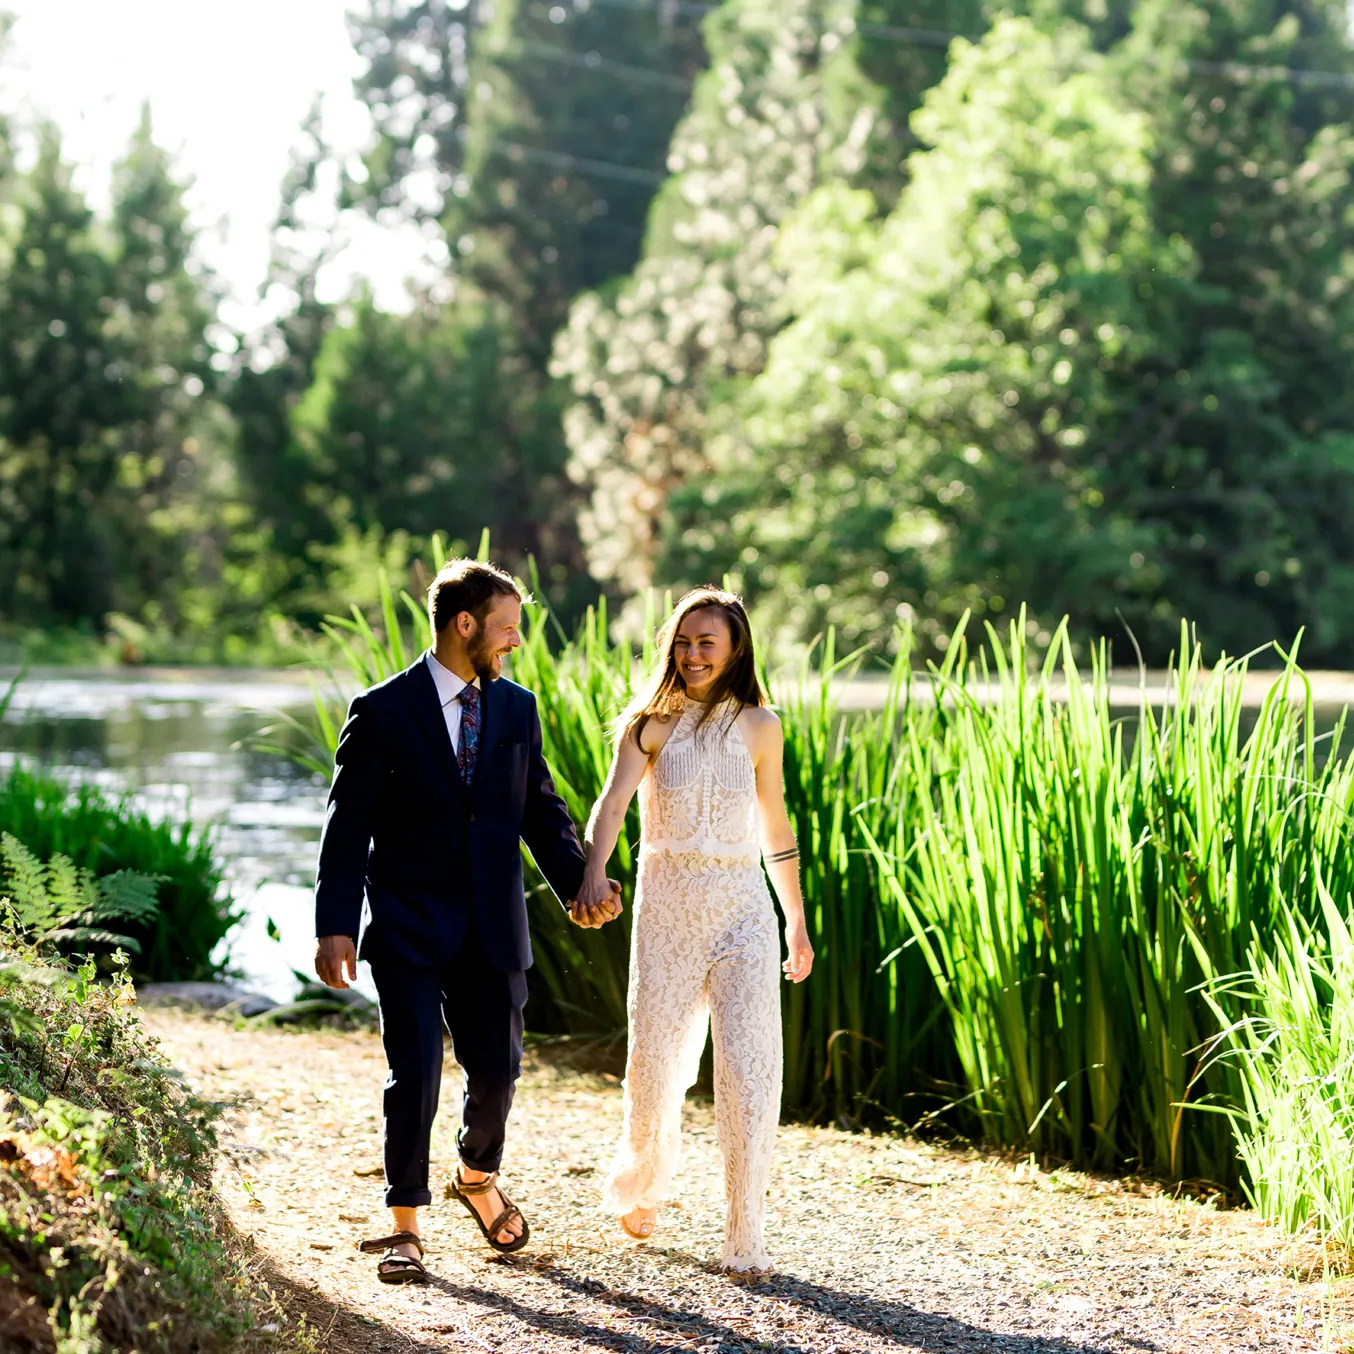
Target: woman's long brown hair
[{"x": 664, "y": 693}]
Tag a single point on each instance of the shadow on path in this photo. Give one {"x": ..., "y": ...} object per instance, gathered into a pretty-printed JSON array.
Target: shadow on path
[
  {"x": 909, "y": 1326},
  {"x": 657, "y": 1328},
  {"x": 339, "y": 1329}
]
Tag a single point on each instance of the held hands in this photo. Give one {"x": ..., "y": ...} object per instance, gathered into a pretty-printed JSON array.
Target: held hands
[
  {"x": 800, "y": 963},
  {"x": 598, "y": 902},
  {"x": 333, "y": 954}
]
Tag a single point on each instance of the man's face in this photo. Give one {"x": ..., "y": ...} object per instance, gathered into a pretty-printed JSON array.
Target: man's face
[{"x": 497, "y": 635}]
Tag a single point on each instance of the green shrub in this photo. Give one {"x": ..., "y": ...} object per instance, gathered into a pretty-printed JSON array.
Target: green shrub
[
  {"x": 110, "y": 1235},
  {"x": 106, "y": 834}
]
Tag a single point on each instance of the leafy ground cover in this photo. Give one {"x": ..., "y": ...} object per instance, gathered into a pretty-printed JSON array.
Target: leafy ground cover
[{"x": 111, "y": 1237}]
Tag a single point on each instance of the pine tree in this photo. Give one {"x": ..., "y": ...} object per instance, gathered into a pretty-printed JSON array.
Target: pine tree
[
  {"x": 173, "y": 460},
  {"x": 536, "y": 134},
  {"x": 402, "y": 426},
  {"x": 64, "y": 390},
  {"x": 272, "y": 375}
]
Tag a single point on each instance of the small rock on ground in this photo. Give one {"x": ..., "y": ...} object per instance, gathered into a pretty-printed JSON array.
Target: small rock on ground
[{"x": 205, "y": 997}]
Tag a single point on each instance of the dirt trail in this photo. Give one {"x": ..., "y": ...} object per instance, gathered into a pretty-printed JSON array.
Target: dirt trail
[{"x": 881, "y": 1244}]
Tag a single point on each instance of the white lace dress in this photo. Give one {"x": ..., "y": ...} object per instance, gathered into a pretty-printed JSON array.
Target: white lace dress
[{"x": 705, "y": 946}]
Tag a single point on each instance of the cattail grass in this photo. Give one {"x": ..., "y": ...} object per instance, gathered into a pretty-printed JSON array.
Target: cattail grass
[{"x": 1073, "y": 889}]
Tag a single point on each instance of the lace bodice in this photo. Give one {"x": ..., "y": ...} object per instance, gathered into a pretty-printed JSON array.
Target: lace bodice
[{"x": 701, "y": 793}]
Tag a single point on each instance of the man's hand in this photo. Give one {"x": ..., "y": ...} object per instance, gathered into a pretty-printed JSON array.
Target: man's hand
[
  {"x": 333, "y": 954},
  {"x": 593, "y": 908}
]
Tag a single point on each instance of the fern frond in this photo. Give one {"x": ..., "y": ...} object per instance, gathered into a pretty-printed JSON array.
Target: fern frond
[
  {"x": 26, "y": 883},
  {"x": 62, "y": 904},
  {"x": 69, "y": 891},
  {"x": 126, "y": 896},
  {"x": 90, "y": 935}
]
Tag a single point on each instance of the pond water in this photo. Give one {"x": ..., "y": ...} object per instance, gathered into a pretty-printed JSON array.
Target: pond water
[{"x": 181, "y": 742}]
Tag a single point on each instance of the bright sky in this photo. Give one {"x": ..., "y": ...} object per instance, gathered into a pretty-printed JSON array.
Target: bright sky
[{"x": 228, "y": 82}]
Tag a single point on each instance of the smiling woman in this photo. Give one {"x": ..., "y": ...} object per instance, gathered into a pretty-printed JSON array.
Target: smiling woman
[
  {"x": 704, "y": 752},
  {"x": 708, "y": 646}
]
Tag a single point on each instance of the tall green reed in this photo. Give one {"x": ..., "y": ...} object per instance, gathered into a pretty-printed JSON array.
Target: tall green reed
[
  {"x": 1072, "y": 890},
  {"x": 863, "y": 1037},
  {"x": 1022, "y": 900},
  {"x": 1292, "y": 1051}
]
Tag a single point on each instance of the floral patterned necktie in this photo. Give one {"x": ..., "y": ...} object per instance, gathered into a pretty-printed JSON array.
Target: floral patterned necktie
[{"x": 470, "y": 732}]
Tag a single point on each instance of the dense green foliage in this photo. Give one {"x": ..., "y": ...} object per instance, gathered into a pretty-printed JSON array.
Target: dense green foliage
[
  {"x": 881, "y": 324},
  {"x": 1090, "y": 358},
  {"x": 110, "y": 1235},
  {"x": 116, "y": 496},
  {"x": 106, "y": 835}
]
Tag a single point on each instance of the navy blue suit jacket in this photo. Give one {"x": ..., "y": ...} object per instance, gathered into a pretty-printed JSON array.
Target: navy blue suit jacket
[{"x": 426, "y": 851}]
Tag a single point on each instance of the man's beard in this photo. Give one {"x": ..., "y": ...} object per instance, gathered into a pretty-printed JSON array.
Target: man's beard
[{"x": 481, "y": 655}]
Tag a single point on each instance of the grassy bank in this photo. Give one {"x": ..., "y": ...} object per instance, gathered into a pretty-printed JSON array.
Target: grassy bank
[{"x": 110, "y": 1233}]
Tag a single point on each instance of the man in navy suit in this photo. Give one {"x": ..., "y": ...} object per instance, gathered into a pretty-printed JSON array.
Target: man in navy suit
[{"x": 439, "y": 777}]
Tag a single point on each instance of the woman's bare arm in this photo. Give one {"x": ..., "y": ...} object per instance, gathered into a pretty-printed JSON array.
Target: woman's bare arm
[
  {"x": 780, "y": 851},
  {"x": 628, "y": 765}
]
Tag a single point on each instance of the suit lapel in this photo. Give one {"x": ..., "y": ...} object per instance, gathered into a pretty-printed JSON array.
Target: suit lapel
[
  {"x": 427, "y": 708},
  {"x": 492, "y": 696}
]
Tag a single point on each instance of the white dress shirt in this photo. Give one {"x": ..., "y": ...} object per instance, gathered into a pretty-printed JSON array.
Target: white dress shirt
[{"x": 449, "y": 687}]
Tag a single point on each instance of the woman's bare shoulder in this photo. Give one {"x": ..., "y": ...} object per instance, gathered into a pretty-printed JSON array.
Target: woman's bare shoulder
[
  {"x": 761, "y": 717},
  {"x": 657, "y": 730},
  {"x": 759, "y": 723}
]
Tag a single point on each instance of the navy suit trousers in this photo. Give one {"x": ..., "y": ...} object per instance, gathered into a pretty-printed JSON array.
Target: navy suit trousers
[{"x": 481, "y": 1007}]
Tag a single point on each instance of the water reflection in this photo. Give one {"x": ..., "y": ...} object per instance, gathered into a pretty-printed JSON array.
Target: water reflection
[{"x": 182, "y": 745}]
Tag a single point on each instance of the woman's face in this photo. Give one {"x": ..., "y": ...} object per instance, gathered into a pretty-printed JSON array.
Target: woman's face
[{"x": 702, "y": 648}]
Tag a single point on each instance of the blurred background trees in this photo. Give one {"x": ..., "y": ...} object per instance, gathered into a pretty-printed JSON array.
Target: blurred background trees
[{"x": 888, "y": 308}]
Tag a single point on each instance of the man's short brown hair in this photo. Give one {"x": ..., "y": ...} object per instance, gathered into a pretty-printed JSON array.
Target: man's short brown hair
[{"x": 468, "y": 585}]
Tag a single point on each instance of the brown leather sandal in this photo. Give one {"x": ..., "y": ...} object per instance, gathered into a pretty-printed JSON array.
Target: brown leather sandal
[
  {"x": 392, "y": 1268},
  {"x": 465, "y": 1191}
]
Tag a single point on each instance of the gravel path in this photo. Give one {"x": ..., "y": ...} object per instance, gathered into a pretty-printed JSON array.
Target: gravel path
[{"x": 881, "y": 1244}]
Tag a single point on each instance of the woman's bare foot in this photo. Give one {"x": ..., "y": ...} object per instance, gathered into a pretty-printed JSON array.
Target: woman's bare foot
[
  {"x": 490, "y": 1204},
  {"x": 639, "y": 1223}
]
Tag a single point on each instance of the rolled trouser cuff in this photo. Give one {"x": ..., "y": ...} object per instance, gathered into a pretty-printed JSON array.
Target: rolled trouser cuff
[
  {"x": 486, "y": 1164},
  {"x": 408, "y": 1198}
]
